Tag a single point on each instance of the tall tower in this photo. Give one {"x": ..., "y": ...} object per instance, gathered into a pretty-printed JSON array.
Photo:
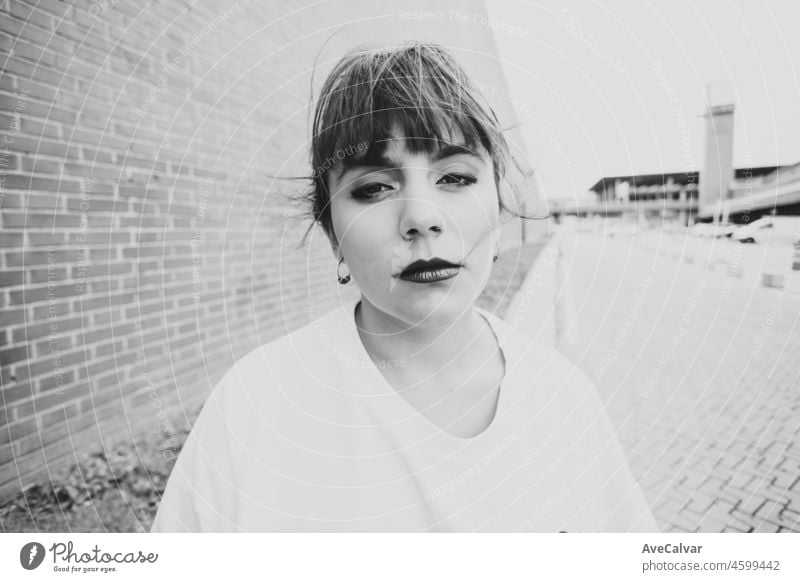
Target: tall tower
[{"x": 718, "y": 166}]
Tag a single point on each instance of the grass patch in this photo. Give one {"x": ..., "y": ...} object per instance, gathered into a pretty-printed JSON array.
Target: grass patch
[{"x": 107, "y": 491}]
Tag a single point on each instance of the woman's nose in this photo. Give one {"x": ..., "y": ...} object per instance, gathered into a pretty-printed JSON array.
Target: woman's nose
[{"x": 420, "y": 217}]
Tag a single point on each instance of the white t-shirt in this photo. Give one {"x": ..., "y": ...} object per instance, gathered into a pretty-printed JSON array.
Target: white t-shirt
[{"x": 306, "y": 434}]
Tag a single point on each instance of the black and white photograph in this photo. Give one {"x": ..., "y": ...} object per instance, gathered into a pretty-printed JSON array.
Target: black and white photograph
[{"x": 390, "y": 267}]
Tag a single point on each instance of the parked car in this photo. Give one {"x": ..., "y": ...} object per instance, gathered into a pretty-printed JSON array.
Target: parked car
[{"x": 770, "y": 230}]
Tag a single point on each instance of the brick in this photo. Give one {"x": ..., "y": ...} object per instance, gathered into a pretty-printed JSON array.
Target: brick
[
  {"x": 51, "y": 112},
  {"x": 132, "y": 190},
  {"x": 6, "y": 454},
  {"x": 6, "y": 44},
  {"x": 104, "y": 253},
  {"x": 8, "y": 123},
  {"x": 96, "y": 156},
  {"x": 790, "y": 517},
  {"x": 101, "y": 221},
  {"x": 23, "y": 447},
  {"x": 34, "y": 53},
  {"x": 8, "y": 102},
  {"x": 9, "y": 161},
  {"x": 55, "y": 361},
  {"x": 55, "y": 432},
  {"x": 29, "y": 70},
  {"x": 78, "y": 67},
  {"x": 17, "y": 430},
  {"x": 46, "y": 401},
  {"x": 31, "y": 220},
  {"x": 99, "y": 237},
  {"x": 39, "y": 128},
  {"x": 11, "y": 239},
  {"x": 94, "y": 171},
  {"x": 30, "y": 15},
  {"x": 45, "y": 238},
  {"x": 49, "y": 202},
  {"x": 45, "y": 329},
  {"x": 11, "y": 355},
  {"x": 178, "y": 316},
  {"x": 90, "y": 205},
  {"x": 11, "y": 316},
  {"x": 46, "y": 347},
  {"x": 12, "y": 393},
  {"x": 43, "y": 275},
  {"x": 108, "y": 393},
  {"x": 11, "y": 26},
  {"x": 8, "y": 278},
  {"x": 142, "y": 310},
  {"x": 16, "y": 259},
  {"x": 102, "y": 270},
  {"x": 14, "y": 200},
  {"x": 56, "y": 309},
  {"x": 107, "y": 301},
  {"x": 23, "y": 182},
  {"x": 44, "y": 147},
  {"x": 90, "y": 55},
  {"x": 41, "y": 165},
  {"x": 96, "y": 335},
  {"x": 36, "y": 294},
  {"x": 91, "y": 38},
  {"x": 98, "y": 368},
  {"x": 770, "y": 511},
  {"x": 143, "y": 251},
  {"x": 108, "y": 349}
]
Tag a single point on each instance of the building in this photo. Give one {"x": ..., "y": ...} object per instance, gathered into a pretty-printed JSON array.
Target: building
[{"x": 719, "y": 192}]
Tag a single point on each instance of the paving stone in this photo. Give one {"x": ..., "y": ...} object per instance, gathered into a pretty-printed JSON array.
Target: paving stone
[{"x": 721, "y": 417}]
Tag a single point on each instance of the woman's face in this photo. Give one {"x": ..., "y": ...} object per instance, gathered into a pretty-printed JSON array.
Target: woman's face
[{"x": 417, "y": 207}]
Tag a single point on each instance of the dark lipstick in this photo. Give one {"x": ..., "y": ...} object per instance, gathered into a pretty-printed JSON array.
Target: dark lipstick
[{"x": 429, "y": 271}]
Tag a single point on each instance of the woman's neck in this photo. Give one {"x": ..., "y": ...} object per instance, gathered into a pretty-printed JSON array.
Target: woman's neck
[{"x": 426, "y": 348}]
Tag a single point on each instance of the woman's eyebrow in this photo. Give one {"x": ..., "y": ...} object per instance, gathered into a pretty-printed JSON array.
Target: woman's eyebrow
[
  {"x": 384, "y": 161},
  {"x": 454, "y": 149}
]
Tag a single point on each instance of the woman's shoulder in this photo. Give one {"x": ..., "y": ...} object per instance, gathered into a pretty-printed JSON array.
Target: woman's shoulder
[
  {"x": 305, "y": 342},
  {"x": 306, "y": 353}
]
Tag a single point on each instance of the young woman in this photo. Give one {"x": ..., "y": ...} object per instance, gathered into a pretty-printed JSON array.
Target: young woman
[{"x": 409, "y": 409}]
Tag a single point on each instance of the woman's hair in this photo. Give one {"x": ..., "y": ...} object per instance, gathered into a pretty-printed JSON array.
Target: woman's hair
[{"x": 418, "y": 89}]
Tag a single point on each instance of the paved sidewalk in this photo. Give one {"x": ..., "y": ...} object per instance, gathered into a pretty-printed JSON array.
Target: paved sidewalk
[{"x": 700, "y": 370}]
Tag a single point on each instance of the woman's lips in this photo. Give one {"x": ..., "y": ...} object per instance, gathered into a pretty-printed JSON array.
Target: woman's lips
[
  {"x": 430, "y": 275},
  {"x": 429, "y": 270}
]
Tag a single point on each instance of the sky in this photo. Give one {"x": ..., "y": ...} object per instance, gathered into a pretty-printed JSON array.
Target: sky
[{"x": 620, "y": 88}]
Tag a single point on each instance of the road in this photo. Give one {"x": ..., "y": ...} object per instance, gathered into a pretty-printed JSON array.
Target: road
[{"x": 699, "y": 364}]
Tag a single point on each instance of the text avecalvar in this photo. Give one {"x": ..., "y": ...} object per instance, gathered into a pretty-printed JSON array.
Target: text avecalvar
[{"x": 671, "y": 549}]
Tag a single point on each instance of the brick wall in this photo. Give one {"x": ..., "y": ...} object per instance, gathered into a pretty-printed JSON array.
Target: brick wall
[{"x": 146, "y": 244}]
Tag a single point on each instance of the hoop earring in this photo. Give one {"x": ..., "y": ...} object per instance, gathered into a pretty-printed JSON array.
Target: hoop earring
[{"x": 343, "y": 279}]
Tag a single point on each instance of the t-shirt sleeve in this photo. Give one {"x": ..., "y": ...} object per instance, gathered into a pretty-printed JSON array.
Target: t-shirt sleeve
[
  {"x": 615, "y": 501},
  {"x": 201, "y": 494}
]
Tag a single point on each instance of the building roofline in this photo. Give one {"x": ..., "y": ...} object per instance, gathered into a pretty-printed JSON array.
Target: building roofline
[{"x": 651, "y": 179}]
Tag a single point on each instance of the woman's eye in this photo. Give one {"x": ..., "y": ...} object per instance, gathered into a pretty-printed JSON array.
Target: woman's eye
[
  {"x": 458, "y": 179},
  {"x": 369, "y": 191}
]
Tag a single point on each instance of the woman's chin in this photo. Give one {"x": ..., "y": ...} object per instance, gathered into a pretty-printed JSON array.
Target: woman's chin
[{"x": 433, "y": 310}]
